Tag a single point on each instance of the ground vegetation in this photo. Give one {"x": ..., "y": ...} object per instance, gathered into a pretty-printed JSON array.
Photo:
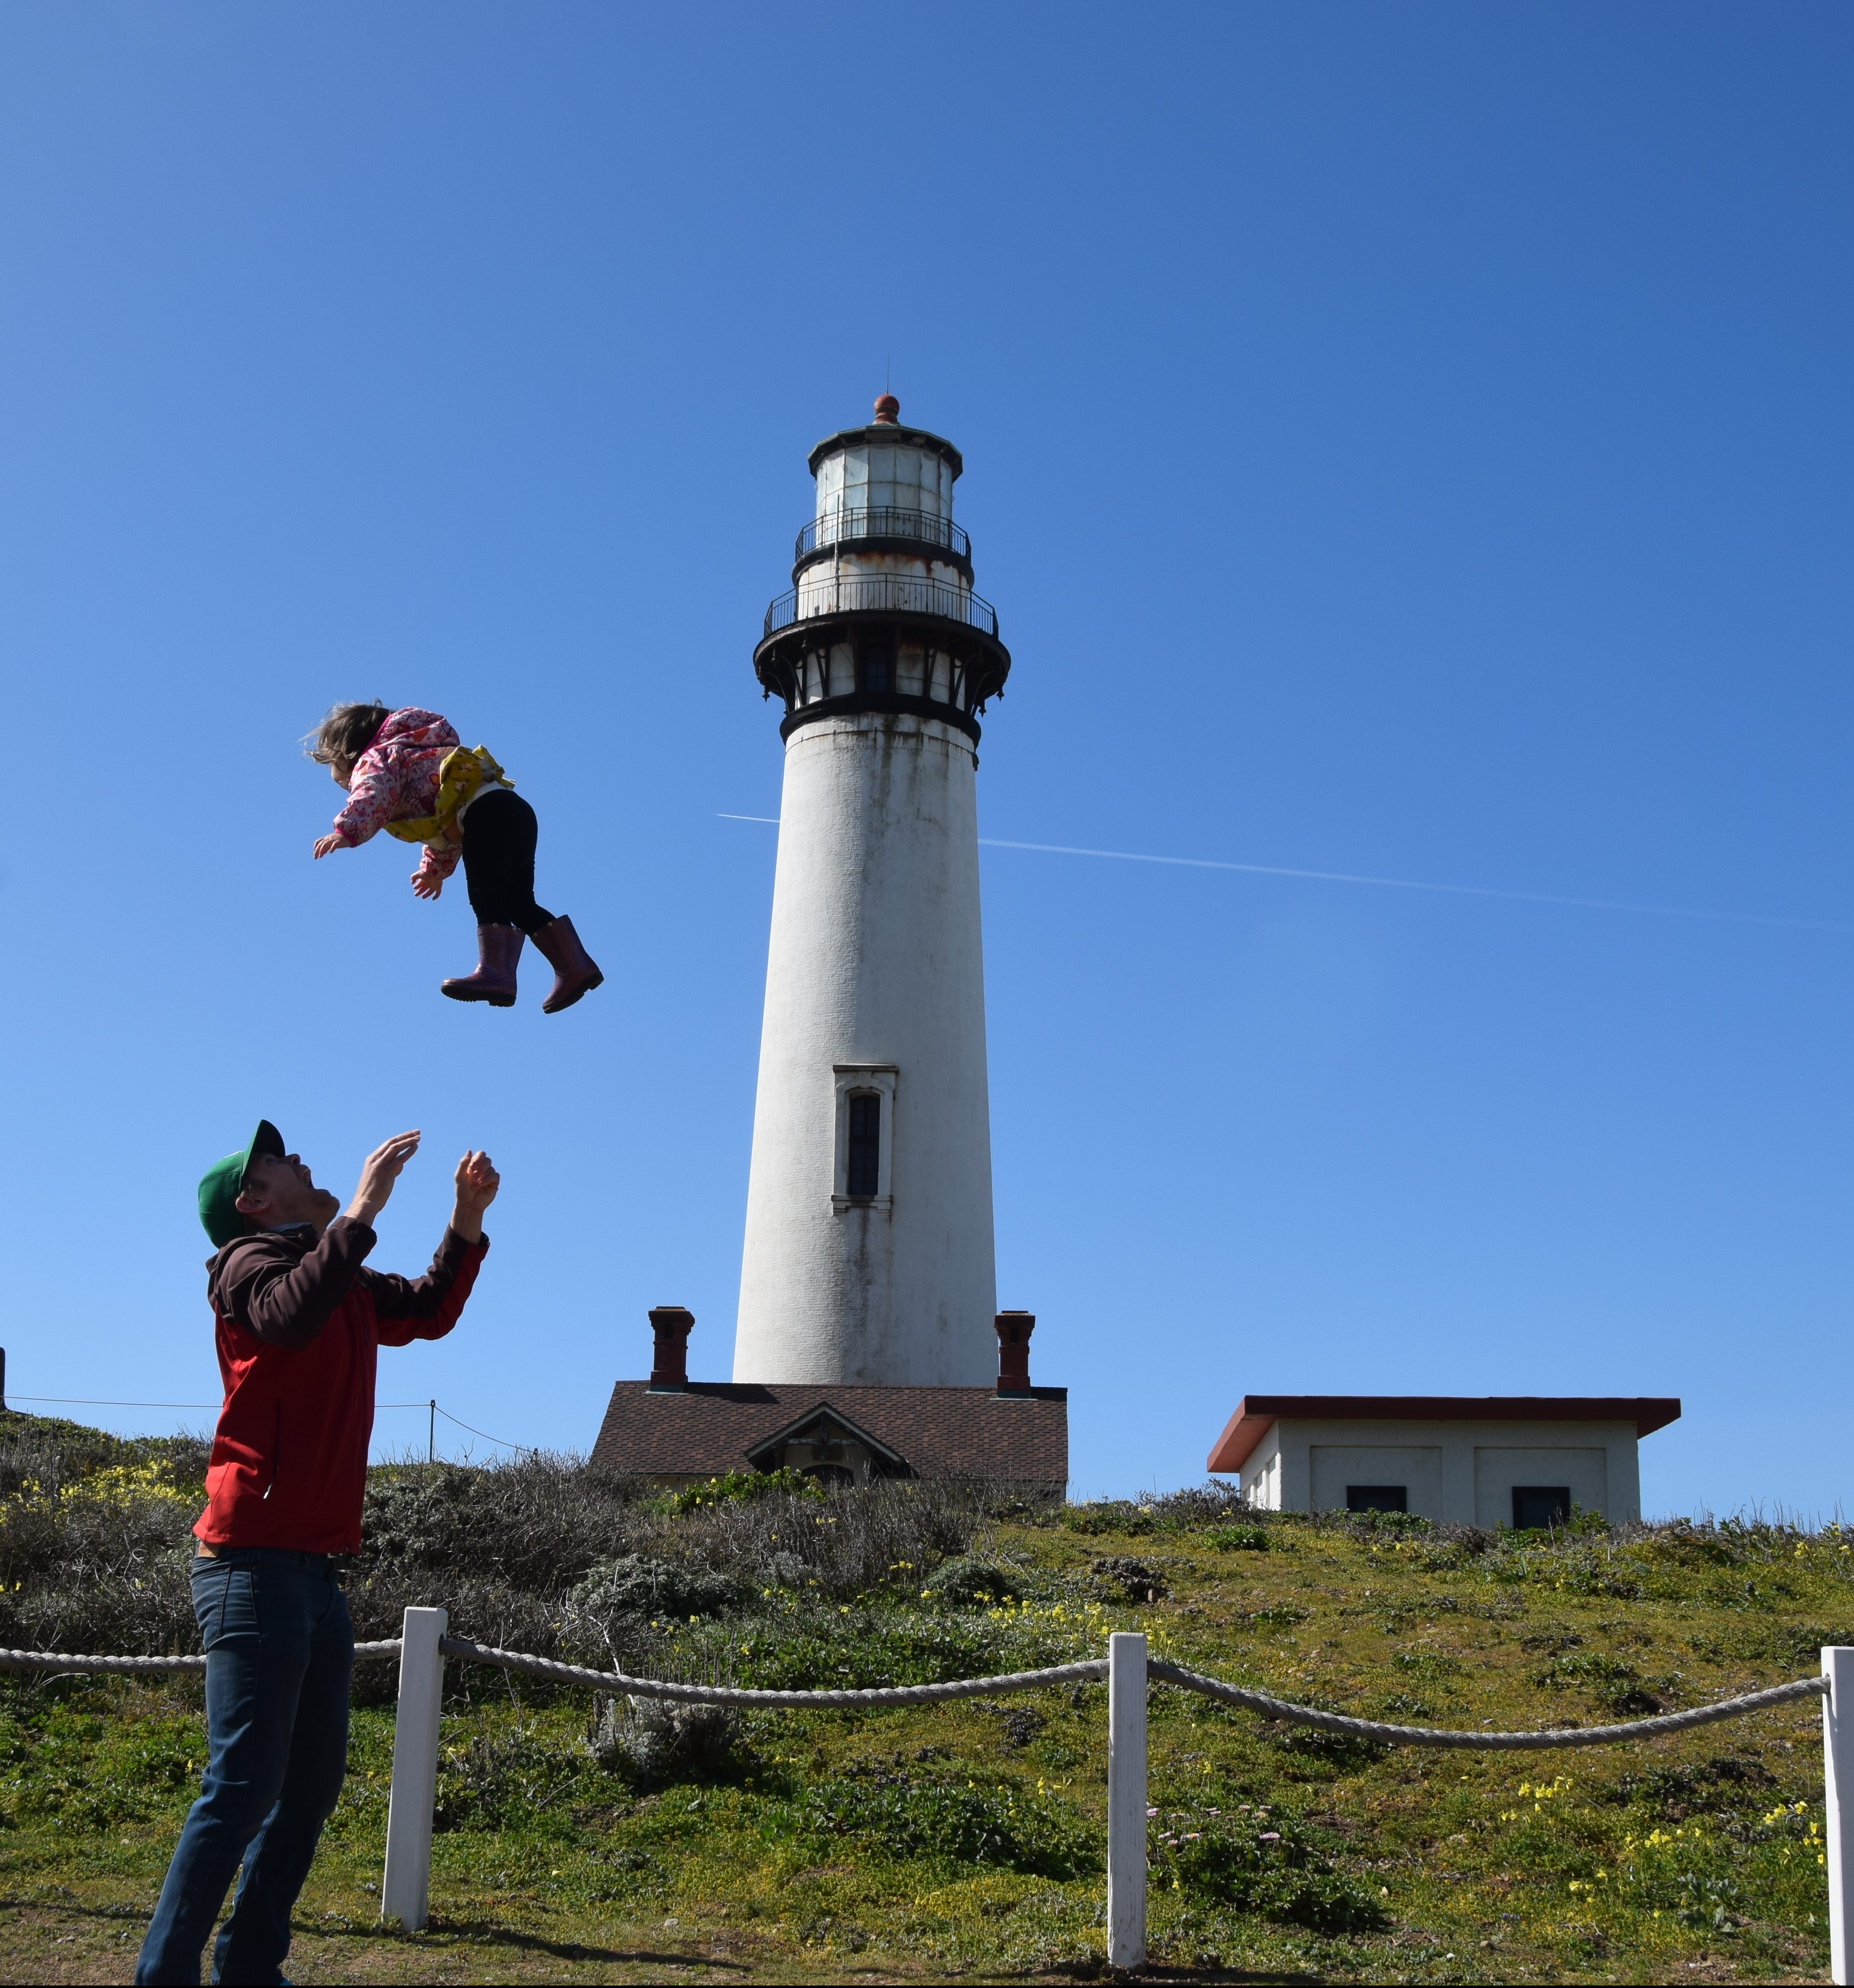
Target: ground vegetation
[{"x": 587, "y": 1836}]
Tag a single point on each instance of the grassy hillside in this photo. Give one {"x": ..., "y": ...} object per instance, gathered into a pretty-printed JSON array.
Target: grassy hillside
[{"x": 578, "y": 1840}]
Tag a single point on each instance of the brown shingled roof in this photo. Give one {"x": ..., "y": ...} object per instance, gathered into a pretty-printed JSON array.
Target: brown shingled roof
[{"x": 711, "y": 1426}]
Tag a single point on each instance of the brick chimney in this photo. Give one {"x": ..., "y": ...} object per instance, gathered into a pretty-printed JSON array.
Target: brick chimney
[
  {"x": 1014, "y": 1329},
  {"x": 669, "y": 1359}
]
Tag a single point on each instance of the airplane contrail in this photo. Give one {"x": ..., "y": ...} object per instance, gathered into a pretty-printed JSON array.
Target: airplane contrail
[{"x": 1393, "y": 883}]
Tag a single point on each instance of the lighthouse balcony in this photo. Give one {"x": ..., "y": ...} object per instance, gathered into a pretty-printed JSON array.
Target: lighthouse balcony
[
  {"x": 881, "y": 527},
  {"x": 880, "y": 593}
]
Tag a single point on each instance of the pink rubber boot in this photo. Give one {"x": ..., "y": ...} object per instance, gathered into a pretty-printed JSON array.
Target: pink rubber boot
[
  {"x": 574, "y": 973},
  {"x": 498, "y": 948}
]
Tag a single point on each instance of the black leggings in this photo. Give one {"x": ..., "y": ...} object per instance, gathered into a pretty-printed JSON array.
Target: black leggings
[{"x": 499, "y": 835}]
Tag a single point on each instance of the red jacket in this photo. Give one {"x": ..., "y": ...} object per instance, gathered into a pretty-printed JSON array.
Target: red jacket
[{"x": 297, "y": 1324}]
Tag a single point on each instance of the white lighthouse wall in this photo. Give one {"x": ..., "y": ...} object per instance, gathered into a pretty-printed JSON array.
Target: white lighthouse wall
[
  {"x": 819, "y": 590},
  {"x": 875, "y": 959}
]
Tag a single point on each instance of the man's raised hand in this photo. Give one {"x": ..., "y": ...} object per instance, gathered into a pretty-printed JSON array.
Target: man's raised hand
[
  {"x": 477, "y": 1182},
  {"x": 378, "y": 1172}
]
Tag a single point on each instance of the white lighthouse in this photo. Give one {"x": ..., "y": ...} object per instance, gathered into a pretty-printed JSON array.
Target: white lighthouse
[{"x": 869, "y": 1258}]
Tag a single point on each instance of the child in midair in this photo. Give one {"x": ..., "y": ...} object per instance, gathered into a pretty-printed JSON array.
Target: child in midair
[{"x": 405, "y": 771}]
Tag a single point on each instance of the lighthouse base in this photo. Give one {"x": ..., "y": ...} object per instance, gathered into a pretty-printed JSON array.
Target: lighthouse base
[{"x": 841, "y": 1436}]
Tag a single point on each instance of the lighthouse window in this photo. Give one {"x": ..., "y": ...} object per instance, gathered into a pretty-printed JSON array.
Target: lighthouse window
[
  {"x": 875, "y": 664},
  {"x": 865, "y": 1137},
  {"x": 863, "y": 1174}
]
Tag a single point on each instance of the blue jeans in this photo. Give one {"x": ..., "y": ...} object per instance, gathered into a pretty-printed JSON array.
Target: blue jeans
[{"x": 279, "y": 1651}]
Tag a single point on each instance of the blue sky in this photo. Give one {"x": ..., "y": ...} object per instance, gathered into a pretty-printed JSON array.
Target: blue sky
[{"x": 1407, "y": 442}]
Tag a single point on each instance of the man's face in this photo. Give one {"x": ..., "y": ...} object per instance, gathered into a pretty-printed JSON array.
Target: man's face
[{"x": 278, "y": 1193}]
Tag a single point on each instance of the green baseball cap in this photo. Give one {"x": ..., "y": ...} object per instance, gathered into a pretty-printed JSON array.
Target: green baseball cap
[{"x": 222, "y": 1182}]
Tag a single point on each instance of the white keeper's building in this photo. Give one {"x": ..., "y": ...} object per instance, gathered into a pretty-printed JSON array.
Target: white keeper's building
[{"x": 1518, "y": 1460}]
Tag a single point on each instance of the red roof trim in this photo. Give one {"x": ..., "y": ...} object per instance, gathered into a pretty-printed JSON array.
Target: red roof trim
[{"x": 1257, "y": 1414}]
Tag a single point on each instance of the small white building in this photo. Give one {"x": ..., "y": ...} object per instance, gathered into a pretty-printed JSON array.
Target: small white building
[{"x": 1517, "y": 1460}]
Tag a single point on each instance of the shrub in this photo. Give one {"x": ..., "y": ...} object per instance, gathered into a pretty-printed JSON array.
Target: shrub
[
  {"x": 795, "y": 1647},
  {"x": 1111, "y": 1514},
  {"x": 1567, "y": 1566},
  {"x": 1725, "y": 1783},
  {"x": 652, "y": 1741},
  {"x": 507, "y": 1780},
  {"x": 144, "y": 1611},
  {"x": 738, "y": 1486},
  {"x": 1611, "y": 1681},
  {"x": 850, "y": 1542},
  {"x": 1257, "y": 1863},
  {"x": 1313, "y": 1745},
  {"x": 536, "y": 1524},
  {"x": 641, "y": 1587},
  {"x": 1238, "y": 1539},
  {"x": 1190, "y": 1510},
  {"x": 906, "y": 1816},
  {"x": 1378, "y": 1525},
  {"x": 50, "y": 1453},
  {"x": 1119, "y": 1578},
  {"x": 1199, "y": 1505},
  {"x": 489, "y": 1611},
  {"x": 967, "y": 1583},
  {"x": 113, "y": 1522},
  {"x": 785, "y": 1570}
]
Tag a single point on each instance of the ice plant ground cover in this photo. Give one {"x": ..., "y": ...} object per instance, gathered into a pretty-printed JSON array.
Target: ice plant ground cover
[{"x": 581, "y": 1838}]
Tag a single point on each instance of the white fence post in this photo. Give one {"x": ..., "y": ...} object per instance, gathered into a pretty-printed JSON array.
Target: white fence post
[
  {"x": 1838, "y": 1777},
  {"x": 1126, "y": 1800},
  {"x": 405, "y": 1888}
]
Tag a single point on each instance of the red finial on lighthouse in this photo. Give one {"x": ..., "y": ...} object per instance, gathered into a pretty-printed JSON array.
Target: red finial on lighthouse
[{"x": 888, "y": 409}]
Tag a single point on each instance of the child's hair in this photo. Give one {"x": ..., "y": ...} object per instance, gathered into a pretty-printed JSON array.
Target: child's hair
[{"x": 345, "y": 733}]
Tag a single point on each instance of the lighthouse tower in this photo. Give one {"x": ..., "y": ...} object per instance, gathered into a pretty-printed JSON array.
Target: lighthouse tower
[{"x": 869, "y": 1258}]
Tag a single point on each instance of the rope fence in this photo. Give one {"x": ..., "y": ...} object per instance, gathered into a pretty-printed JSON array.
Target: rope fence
[
  {"x": 1092, "y": 1669},
  {"x": 1549, "y": 1735},
  {"x": 1128, "y": 1671}
]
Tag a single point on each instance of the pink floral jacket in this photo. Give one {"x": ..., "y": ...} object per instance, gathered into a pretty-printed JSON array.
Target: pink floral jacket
[{"x": 396, "y": 780}]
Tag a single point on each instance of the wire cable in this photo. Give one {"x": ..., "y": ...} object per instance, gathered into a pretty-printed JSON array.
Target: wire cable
[
  {"x": 85, "y": 1401},
  {"x": 88, "y": 1402},
  {"x": 502, "y": 1441}
]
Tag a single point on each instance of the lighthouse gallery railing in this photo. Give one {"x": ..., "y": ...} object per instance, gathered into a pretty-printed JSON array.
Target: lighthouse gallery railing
[
  {"x": 879, "y": 593},
  {"x": 881, "y": 521}
]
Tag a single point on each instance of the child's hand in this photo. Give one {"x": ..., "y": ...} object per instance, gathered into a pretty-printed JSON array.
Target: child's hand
[
  {"x": 425, "y": 884},
  {"x": 328, "y": 845}
]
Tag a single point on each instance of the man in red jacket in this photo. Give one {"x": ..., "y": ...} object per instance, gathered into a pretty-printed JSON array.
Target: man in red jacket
[{"x": 298, "y": 1321}]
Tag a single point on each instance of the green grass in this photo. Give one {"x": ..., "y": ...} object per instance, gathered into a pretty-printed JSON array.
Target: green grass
[{"x": 967, "y": 1839}]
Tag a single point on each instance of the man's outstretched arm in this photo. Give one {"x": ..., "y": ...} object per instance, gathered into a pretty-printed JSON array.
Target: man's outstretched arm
[
  {"x": 284, "y": 1298},
  {"x": 426, "y": 1307}
]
